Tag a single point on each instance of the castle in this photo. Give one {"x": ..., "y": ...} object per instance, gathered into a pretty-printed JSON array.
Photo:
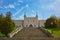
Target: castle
[{"x": 30, "y": 21}]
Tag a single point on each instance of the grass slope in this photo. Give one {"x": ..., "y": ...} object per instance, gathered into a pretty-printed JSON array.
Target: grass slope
[{"x": 56, "y": 32}]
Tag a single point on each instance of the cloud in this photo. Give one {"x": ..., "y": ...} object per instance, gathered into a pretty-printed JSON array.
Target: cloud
[
  {"x": 53, "y": 6},
  {"x": 33, "y": 11},
  {"x": 20, "y": 1},
  {"x": 27, "y": 5},
  {"x": 18, "y": 11},
  {"x": 15, "y": 3},
  {"x": 9, "y": 6},
  {"x": 21, "y": 16},
  {"x": 57, "y": 0}
]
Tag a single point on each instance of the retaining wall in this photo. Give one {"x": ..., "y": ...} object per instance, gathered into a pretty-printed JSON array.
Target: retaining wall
[
  {"x": 46, "y": 32},
  {"x": 14, "y": 32}
]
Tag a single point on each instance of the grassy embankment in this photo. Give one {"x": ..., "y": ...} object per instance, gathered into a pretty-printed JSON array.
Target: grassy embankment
[{"x": 56, "y": 32}]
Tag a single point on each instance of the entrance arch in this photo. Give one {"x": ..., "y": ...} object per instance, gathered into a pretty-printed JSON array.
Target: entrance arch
[{"x": 30, "y": 25}]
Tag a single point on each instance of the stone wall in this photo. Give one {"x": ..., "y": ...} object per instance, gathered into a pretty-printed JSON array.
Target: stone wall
[
  {"x": 18, "y": 22},
  {"x": 14, "y": 32},
  {"x": 46, "y": 32}
]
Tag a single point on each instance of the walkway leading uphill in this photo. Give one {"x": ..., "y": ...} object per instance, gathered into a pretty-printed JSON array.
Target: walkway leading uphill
[{"x": 30, "y": 32}]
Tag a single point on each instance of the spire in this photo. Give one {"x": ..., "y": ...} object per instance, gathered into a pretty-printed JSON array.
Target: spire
[
  {"x": 25, "y": 14},
  {"x": 36, "y": 14}
]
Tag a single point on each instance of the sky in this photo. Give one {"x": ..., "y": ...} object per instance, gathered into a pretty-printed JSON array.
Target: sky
[{"x": 43, "y": 8}]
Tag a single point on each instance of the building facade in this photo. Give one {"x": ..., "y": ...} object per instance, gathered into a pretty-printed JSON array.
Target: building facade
[{"x": 30, "y": 21}]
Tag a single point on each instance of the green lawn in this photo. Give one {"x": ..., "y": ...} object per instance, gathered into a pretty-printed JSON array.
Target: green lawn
[{"x": 56, "y": 32}]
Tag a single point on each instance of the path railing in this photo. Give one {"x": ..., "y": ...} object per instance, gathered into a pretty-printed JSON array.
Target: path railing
[
  {"x": 14, "y": 32},
  {"x": 46, "y": 32}
]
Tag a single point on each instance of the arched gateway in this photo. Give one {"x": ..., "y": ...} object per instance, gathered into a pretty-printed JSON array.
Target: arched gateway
[{"x": 30, "y": 25}]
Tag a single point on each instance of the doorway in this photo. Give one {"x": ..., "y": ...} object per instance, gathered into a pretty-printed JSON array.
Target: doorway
[{"x": 30, "y": 25}]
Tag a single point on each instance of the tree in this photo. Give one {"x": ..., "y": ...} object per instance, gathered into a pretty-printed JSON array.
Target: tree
[
  {"x": 51, "y": 22},
  {"x": 58, "y": 23},
  {"x": 7, "y": 24},
  {"x": 1, "y": 21}
]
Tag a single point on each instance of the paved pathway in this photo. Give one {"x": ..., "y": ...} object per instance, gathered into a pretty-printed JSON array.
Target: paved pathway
[{"x": 30, "y": 32}]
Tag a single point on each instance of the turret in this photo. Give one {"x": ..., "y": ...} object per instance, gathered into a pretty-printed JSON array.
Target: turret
[
  {"x": 24, "y": 15},
  {"x": 36, "y": 15}
]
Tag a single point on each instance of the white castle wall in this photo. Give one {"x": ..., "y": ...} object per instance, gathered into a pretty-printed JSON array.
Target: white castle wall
[{"x": 30, "y": 21}]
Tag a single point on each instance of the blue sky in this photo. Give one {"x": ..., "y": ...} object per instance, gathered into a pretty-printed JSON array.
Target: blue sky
[{"x": 43, "y": 8}]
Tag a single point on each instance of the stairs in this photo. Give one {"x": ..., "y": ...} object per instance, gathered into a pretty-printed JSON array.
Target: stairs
[{"x": 30, "y": 32}]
